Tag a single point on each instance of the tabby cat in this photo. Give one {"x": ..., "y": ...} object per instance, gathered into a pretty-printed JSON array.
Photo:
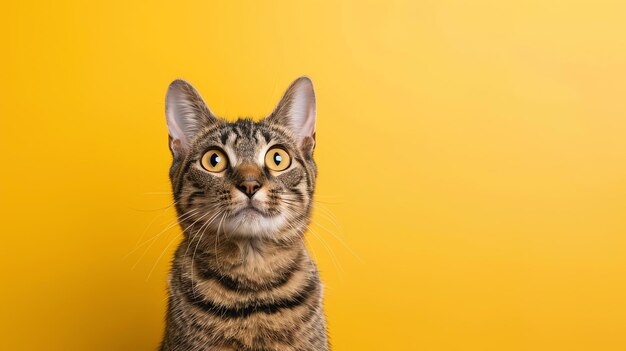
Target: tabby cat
[{"x": 242, "y": 278}]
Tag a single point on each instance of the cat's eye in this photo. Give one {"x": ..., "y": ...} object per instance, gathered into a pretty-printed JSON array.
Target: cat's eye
[
  {"x": 214, "y": 161},
  {"x": 277, "y": 159}
]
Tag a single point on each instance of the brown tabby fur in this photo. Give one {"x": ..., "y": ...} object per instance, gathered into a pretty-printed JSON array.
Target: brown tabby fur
[{"x": 239, "y": 282}]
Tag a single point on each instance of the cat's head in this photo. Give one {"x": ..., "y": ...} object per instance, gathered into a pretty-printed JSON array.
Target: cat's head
[{"x": 243, "y": 179}]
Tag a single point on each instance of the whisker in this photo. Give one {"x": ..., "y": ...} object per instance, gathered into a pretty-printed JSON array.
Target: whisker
[
  {"x": 217, "y": 238},
  {"x": 331, "y": 216},
  {"x": 151, "y": 222},
  {"x": 332, "y": 255},
  {"x": 336, "y": 236},
  {"x": 193, "y": 257},
  {"x": 168, "y": 226},
  {"x": 207, "y": 223},
  {"x": 152, "y": 210},
  {"x": 160, "y": 256},
  {"x": 153, "y": 239}
]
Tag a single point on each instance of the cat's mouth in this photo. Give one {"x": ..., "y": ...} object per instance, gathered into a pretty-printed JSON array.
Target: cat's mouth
[
  {"x": 252, "y": 205},
  {"x": 250, "y": 208},
  {"x": 251, "y": 220}
]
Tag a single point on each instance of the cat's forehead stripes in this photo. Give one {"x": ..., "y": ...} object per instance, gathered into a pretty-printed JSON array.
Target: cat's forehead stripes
[
  {"x": 243, "y": 140},
  {"x": 245, "y": 143}
]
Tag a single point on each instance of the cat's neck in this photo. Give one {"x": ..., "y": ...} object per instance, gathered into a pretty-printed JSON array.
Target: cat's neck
[{"x": 246, "y": 257}]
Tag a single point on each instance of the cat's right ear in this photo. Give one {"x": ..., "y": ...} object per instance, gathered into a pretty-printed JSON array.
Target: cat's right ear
[{"x": 187, "y": 114}]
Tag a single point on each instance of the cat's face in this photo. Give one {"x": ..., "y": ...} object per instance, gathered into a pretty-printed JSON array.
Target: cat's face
[{"x": 243, "y": 179}]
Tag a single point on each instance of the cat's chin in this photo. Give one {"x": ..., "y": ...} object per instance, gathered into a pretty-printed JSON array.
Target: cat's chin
[{"x": 252, "y": 223}]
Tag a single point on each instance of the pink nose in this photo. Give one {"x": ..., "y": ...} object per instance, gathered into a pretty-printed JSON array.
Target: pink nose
[{"x": 249, "y": 187}]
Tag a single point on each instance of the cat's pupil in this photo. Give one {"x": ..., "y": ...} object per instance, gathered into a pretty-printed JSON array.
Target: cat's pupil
[
  {"x": 277, "y": 158},
  {"x": 215, "y": 159}
]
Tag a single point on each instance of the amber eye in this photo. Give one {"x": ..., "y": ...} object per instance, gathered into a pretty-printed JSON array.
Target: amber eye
[
  {"x": 277, "y": 159},
  {"x": 214, "y": 161}
]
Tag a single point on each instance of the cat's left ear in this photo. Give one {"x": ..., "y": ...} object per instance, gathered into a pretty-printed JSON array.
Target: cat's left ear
[{"x": 296, "y": 111}]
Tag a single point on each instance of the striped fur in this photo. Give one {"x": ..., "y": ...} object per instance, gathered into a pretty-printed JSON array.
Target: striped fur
[{"x": 242, "y": 279}]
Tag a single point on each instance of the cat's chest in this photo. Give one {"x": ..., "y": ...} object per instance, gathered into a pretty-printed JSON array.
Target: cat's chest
[
  {"x": 259, "y": 331},
  {"x": 274, "y": 323}
]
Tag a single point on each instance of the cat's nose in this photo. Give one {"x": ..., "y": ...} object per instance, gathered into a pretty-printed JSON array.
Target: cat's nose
[{"x": 249, "y": 187}]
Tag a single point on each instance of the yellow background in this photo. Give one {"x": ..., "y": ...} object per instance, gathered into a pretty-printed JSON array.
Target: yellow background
[{"x": 472, "y": 157}]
